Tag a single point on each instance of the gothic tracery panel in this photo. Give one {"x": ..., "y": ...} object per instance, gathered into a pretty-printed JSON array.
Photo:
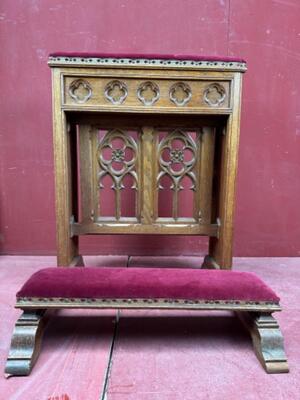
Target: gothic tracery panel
[
  {"x": 117, "y": 156},
  {"x": 144, "y": 175},
  {"x": 177, "y": 159}
]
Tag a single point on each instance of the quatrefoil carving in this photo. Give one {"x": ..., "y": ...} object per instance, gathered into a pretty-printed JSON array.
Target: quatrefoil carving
[
  {"x": 214, "y": 94},
  {"x": 80, "y": 90},
  {"x": 116, "y": 92},
  {"x": 148, "y": 93},
  {"x": 180, "y": 93}
]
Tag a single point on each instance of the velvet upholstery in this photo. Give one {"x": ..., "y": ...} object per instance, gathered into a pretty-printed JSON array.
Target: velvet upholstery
[
  {"x": 189, "y": 57},
  {"x": 135, "y": 283}
]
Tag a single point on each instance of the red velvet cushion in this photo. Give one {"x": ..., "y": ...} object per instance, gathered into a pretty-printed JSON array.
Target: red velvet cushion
[
  {"x": 196, "y": 57},
  {"x": 135, "y": 283}
]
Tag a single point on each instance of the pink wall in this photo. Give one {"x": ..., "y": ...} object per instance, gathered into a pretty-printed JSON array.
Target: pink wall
[{"x": 264, "y": 32}]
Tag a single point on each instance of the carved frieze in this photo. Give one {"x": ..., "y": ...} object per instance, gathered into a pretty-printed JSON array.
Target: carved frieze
[{"x": 130, "y": 92}]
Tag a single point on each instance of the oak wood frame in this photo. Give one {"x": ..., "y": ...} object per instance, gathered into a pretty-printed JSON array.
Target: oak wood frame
[
  {"x": 66, "y": 112},
  {"x": 221, "y": 130}
]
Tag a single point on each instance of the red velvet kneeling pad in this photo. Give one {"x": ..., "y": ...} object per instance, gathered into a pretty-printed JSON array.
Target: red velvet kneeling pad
[{"x": 146, "y": 283}]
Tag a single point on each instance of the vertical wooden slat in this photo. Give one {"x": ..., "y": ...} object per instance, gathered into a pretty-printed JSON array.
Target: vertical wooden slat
[
  {"x": 196, "y": 210},
  {"x": 147, "y": 160},
  {"x": 138, "y": 167},
  {"x": 205, "y": 178},
  {"x": 86, "y": 175},
  {"x": 74, "y": 168},
  {"x": 95, "y": 195},
  {"x": 175, "y": 196},
  {"x": 118, "y": 203},
  {"x": 67, "y": 246},
  {"x": 155, "y": 169}
]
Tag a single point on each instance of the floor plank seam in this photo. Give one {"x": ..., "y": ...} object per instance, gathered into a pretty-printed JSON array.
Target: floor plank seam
[{"x": 103, "y": 395}]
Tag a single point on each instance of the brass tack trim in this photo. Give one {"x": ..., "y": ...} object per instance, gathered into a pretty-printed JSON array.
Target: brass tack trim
[
  {"x": 61, "y": 301},
  {"x": 168, "y": 63}
]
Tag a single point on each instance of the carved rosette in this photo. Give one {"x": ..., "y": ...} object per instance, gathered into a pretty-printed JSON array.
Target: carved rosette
[
  {"x": 116, "y": 92},
  {"x": 214, "y": 95},
  {"x": 80, "y": 90},
  {"x": 180, "y": 93},
  {"x": 148, "y": 93}
]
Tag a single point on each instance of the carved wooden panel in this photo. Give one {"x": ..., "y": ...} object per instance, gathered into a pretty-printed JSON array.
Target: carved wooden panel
[
  {"x": 181, "y": 96},
  {"x": 129, "y": 176},
  {"x": 117, "y": 155},
  {"x": 177, "y": 157}
]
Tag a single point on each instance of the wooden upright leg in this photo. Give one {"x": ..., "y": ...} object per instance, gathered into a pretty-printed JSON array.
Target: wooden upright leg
[
  {"x": 64, "y": 136},
  {"x": 267, "y": 341},
  {"x": 77, "y": 262},
  {"x": 66, "y": 208},
  {"x": 209, "y": 263},
  {"x": 220, "y": 248},
  {"x": 25, "y": 343}
]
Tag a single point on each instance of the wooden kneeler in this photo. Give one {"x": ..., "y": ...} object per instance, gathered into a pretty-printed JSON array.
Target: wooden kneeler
[
  {"x": 170, "y": 124},
  {"x": 151, "y": 288}
]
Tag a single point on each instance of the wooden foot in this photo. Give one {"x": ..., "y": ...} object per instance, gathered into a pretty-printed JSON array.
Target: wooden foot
[
  {"x": 209, "y": 263},
  {"x": 267, "y": 341},
  {"x": 77, "y": 262},
  {"x": 25, "y": 343}
]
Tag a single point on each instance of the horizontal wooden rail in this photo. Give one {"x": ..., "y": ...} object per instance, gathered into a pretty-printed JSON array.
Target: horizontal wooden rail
[{"x": 138, "y": 228}]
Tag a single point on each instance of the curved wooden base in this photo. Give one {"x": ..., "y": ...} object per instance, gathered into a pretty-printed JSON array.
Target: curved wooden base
[
  {"x": 25, "y": 343},
  {"x": 209, "y": 263},
  {"x": 266, "y": 336},
  {"x": 267, "y": 341}
]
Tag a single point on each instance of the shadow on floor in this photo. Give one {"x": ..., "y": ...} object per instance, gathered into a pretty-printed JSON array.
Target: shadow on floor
[
  {"x": 145, "y": 329},
  {"x": 198, "y": 328},
  {"x": 86, "y": 329}
]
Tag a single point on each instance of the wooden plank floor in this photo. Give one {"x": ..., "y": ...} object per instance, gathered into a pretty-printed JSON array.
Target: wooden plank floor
[
  {"x": 206, "y": 356},
  {"x": 156, "y": 355}
]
